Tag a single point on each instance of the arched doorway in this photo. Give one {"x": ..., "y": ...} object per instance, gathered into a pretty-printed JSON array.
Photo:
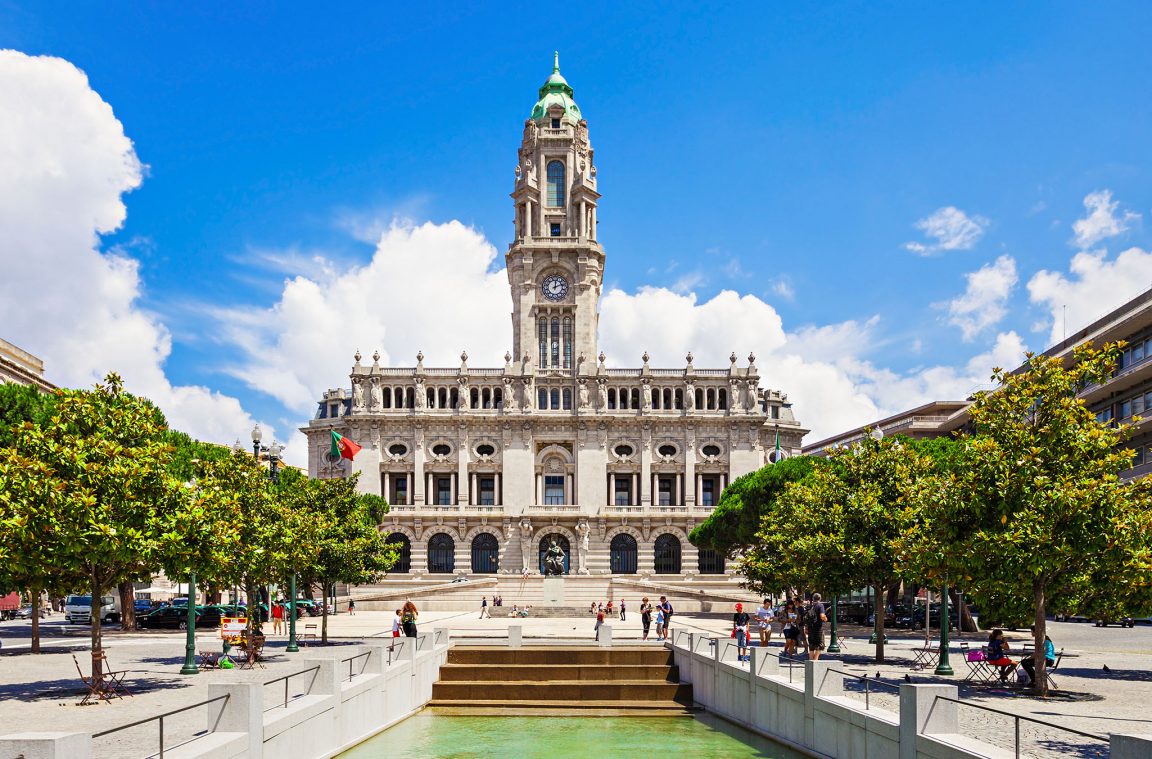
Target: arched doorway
[
  {"x": 623, "y": 551},
  {"x": 441, "y": 554},
  {"x": 667, "y": 554},
  {"x": 563, "y": 543},
  {"x": 485, "y": 554},
  {"x": 403, "y": 565}
]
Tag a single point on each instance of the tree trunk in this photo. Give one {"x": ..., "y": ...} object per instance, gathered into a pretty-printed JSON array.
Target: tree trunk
[
  {"x": 879, "y": 627},
  {"x": 1039, "y": 633},
  {"x": 967, "y": 622},
  {"x": 35, "y": 620},
  {"x": 127, "y": 605},
  {"x": 324, "y": 621},
  {"x": 94, "y": 627}
]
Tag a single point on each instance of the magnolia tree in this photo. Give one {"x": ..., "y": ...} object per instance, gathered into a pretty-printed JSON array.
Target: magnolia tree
[{"x": 1037, "y": 510}]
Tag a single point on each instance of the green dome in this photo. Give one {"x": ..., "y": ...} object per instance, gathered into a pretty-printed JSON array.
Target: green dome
[{"x": 556, "y": 91}]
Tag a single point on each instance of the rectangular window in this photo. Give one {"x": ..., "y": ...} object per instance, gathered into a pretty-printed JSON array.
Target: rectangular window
[
  {"x": 554, "y": 229},
  {"x": 1104, "y": 416},
  {"x": 555, "y": 123},
  {"x": 622, "y": 485},
  {"x": 708, "y": 492},
  {"x": 1137, "y": 352},
  {"x": 401, "y": 491},
  {"x": 443, "y": 491},
  {"x": 1125, "y": 409},
  {"x": 1138, "y": 404},
  {"x": 487, "y": 491},
  {"x": 664, "y": 491},
  {"x": 1138, "y": 457},
  {"x": 553, "y": 489}
]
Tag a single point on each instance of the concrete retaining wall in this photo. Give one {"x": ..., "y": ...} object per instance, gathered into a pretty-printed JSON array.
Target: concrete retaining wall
[
  {"x": 812, "y": 714},
  {"x": 335, "y": 713}
]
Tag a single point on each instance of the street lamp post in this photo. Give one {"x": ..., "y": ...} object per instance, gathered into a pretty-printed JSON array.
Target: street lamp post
[
  {"x": 275, "y": 454},
  {"x": 190, "y": 667},
  {"x": 834, "y": 642},
  {"x": 944, "y": 667},
  {"x": 292, "y": 647}
]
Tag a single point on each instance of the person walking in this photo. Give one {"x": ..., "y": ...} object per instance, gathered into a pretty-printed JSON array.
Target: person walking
[
  {"x": 659, "y": 623},
  {"x": 814, "y": 620},
  {"x": 667, "y": 609},
  {"x": 764, "y": 623},
  {"x": 645, "y": 616},
  {"x": 277, "y": 618},
  {"x": 621, "y": 609},
  {"x": 791, "y": 621},
  {"x": 484, "y": 608},
  {"x": 408, "y": 618},
  {"x": 599, "y": 624},
  {"x": 395, "y": 629},
  {"x": 351, "y": 608},
  {"x": 740, "y": 622}
]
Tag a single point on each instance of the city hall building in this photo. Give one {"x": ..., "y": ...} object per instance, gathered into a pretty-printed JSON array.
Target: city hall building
[{"x": 485, "y": 467}]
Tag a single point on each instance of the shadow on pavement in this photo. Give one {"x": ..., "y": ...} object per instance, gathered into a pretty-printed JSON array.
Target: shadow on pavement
[{"x": 72, "y": 688}]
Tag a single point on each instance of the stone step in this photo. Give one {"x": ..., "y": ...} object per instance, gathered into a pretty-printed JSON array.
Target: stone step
[
  {"x": 516, "y": 708},
  {"x": 562, "y": 691},
  {"x": 566, "y": 672},
  {"x": 571, "y": 655}
]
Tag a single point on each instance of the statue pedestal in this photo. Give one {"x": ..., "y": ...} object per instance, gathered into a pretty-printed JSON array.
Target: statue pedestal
[{"x": 553, "y": 591}]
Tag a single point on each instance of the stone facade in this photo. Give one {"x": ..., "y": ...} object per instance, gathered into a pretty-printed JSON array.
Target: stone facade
[
  {"x": 21, "y": 367},
  {"x": 482, "y": 467}
]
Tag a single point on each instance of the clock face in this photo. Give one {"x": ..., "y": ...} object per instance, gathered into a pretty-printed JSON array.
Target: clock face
[{"x": 554, "y": 287}]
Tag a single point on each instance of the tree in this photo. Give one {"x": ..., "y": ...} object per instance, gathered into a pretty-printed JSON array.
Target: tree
[
  {"x": 1037, "y": 510},
  {"x": 836, "y": 529},
  {"x": 731, "y": 528},
  {"x": 342, "y": 526},
  {"x": 103, "y": 460}
]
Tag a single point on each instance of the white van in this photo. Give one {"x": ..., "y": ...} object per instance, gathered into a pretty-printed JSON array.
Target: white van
[{"x": 78, "y": 609}]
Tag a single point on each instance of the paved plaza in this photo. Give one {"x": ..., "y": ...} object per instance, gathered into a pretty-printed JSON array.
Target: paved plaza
[{"x": 43, "y": 692}]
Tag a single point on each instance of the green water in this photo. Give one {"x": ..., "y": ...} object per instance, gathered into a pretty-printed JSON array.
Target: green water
[{"x": 437, "y": 736}]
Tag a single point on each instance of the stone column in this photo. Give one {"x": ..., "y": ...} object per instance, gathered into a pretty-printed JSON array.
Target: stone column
[
  {"x": 676, "y": 484},
  {"x": 387, "y": 487},
  {"x": 540, "y": 489},
  {"x": 417, "y": 492},
  {"x": 473, "y": 493},
  {"x": 497, "y": 492}
]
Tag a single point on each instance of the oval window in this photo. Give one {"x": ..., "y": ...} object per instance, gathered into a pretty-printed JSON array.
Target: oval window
[
  {"x": 485, "y": 449},
  {"x": 441, "y": 449},
  {"x": 667, "y": 450},
  {"x": 710, "y": 450},
  {"x": 623, "y": 450},
  {"x": 397, "y": 449}
]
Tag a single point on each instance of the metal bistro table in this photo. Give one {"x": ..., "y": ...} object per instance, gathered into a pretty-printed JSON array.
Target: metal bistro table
[{"x": 925, "y": 656}]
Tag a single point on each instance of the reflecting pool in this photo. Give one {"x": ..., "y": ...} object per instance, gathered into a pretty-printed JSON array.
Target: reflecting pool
[{"x": 428, "y": 735}]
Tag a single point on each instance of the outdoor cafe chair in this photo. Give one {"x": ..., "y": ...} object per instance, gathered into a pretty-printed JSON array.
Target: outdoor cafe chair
[
  {"x": 114, "y": 679},
  {"x": 978, "y": 668},
  {"x": 95, "y": 691}
]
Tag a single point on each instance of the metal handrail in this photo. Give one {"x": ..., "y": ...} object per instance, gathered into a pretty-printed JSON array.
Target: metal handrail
[
  {"x": 867, "y": 684},
  {"x": 364, "y": 655},
  {"x": 161, "y": 717},
  {"x": 285, "y": 679},
  {"x": 1019, "y": 717}
]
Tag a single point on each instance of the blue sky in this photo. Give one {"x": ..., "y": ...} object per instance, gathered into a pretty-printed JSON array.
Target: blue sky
[{"x": 784, "y": 152}]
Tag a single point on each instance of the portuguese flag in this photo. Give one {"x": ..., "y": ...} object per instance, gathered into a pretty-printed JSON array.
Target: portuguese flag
[{"x": 343, "y": 447}]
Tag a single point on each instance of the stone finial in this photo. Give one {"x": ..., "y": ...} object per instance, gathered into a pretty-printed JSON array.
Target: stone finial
[
  {"x": 645, "y": 357},
  {"x": 751, "y": 358},
  {"x": 357, "y": 356},
  {"x": 689, "y": 358},
  {"x": 420, "y": 361},
  {"x": 601, "y": 357},
  {"x": 463, "y": 359},
  {"x": 376, "y": 356},
  {"x": 732, "y": 358}
]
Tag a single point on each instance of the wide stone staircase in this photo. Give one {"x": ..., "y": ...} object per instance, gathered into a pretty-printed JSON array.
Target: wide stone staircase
[{"x": 641, "y": 680}]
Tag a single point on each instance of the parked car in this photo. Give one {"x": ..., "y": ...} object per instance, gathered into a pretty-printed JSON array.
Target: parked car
[
  {"x": 854, "y": 612},
  {"x": 1122, "y": 622},
  {"x": 26, "y": 612},
  {"x": 168, "y": 618},
  {"x": 142, "y": 606},
  {"x": 78, "y": 609}
]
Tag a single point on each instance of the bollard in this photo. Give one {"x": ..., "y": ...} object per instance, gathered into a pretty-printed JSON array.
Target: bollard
[
  {"x": 1130, "y": 746},
  {"x": 515, "y": 636},
  {"x": 45, "y": 745},
  {"x": 604, "y": 636}
]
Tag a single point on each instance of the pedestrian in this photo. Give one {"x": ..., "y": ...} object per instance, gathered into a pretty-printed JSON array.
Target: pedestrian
[
  {"x": 764, "y": 623},
  {"x": 484, "y": 608},
  {"x": 814, "y": 620},
  {"x": 791, "y": 627},
  {"x": 351, "y": 607},
  {"x": 621, "y": 609},
  {"x": 666, "y": 606},
  {"x": 740, "y": 622},
  {"x": 408, "y": 619},
  {"x": 592, "y": 608},
  {"x": 998, "y": 654},
  {"x": 1029, "y": 664},
  {"x": 395, "y": 629},
  {"x": 278, "y": 618},
  {"x": 645, "y": 615},
  {"x": 599, "y": 624},
  {"x": 659, "y": 623}
]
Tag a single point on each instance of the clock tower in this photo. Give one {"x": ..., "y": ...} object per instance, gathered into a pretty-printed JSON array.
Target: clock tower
[{"x": 555, "y": 266}]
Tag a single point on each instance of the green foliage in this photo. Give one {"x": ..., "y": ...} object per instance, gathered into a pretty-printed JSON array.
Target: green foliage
[
  {"x": 731, "y": 528},
  {"x": 20, "y": 404}
]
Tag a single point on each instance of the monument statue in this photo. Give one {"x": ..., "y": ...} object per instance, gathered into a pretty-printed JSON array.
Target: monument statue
[
  {"x": 526, "y": 542},
  {"x": 357, "y": 394},
  {"x": 582, "y": 530},
  {"x": 554, "y": 560}
]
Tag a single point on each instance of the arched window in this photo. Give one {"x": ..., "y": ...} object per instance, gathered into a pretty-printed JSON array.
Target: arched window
[
  {"x": 485, "y": 554},
  {"x": 555, "y": 398},
  {"x": 667, "y": 552},
  {"x": 555, "y": 342},
  {"x": 441, "y": 554},
  {"x": 722, "y": 399},
  {"x": 403, "y": 565},
  {"x": 556, "y": 184},
  {"x": 567, "y": 342},
  {"x": 542, "y": 334},
  {"x": 562, "y": 541},
  {"x": 710, "y": 562},
  {"x": 542, "y": 399},
  {"x": 611, "y": 398},
  {"x": 386, "y": 398},
  {"x": 623, "y": 554},
  {"x": 567, "y": 399}
]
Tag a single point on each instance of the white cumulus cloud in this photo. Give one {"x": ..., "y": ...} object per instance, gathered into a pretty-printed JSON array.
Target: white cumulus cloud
[
  {"x": 1103, "y": 220},
  {"x": 985, "y": 300},
  {"x": 65, "y": 164},
  {"x": 949, "y": 228}
]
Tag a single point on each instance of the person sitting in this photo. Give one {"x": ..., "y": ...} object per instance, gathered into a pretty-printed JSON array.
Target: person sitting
[
  {"x": 515, "y": 611},
  {"x": 998, "y": 654},
  {"x": 1029, "y": 664}
]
